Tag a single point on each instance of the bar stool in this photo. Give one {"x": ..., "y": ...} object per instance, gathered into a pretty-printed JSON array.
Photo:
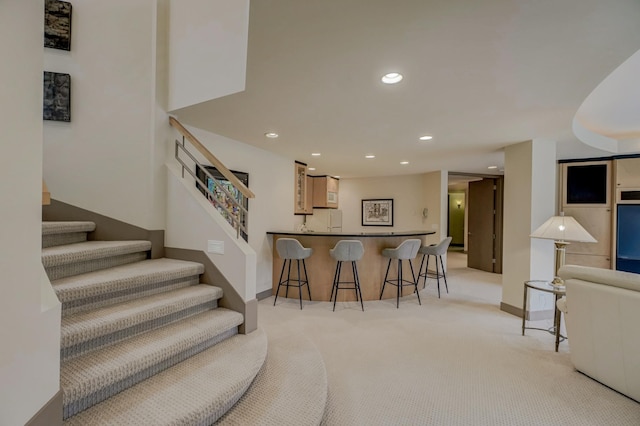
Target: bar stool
[
  {"x": 347, "y": 251},
  {"x": 407, "y": 250},
  {"x": 436, "y": 250},
  {"x": 290, "y": 249}
]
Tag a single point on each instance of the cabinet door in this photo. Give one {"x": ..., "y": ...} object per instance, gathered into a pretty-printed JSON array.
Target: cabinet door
[
  {"x": 325, "y": 192},
  {"x": 628, "y": 173},
  {"x": 597, "y": 222}
]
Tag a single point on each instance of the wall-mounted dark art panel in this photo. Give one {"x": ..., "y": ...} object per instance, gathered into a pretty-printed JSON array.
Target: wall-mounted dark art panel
[
  {"x": 57, "y": 24},
  {"x": 56, "y": 97}
]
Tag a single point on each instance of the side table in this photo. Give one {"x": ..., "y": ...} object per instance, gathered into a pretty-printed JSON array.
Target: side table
[{"x": 546, "y": 287}]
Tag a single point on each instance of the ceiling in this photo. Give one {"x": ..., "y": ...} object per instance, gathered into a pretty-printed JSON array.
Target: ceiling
[{"x": 478, "y": 76}]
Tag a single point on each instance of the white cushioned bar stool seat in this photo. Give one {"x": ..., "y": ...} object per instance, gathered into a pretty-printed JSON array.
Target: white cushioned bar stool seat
[
  {"x": 290, "y": 249},
  {"x": 407, "y": 250},
  {"x": 347, "y": 251},
  {"x": 436, "y": 250}
]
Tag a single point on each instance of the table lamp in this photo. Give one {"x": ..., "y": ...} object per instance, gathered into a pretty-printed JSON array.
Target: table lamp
[{"x": 563, "y": 230}]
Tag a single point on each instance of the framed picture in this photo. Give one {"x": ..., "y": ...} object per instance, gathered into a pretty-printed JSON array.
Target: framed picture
[
  {"x": 377, "y": 212},
  {"x": 57, "y": 24},
  {"x": 56, "y": 97}
]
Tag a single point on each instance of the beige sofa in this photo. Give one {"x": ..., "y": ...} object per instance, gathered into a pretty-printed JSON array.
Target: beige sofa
[{"x": 602, "y": 316}]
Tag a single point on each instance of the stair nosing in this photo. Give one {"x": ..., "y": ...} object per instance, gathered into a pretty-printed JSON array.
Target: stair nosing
[
  {"x": 107, "y": 320},
  {"x": 90, "y": 250},
  {"x": 94, "y": 283},
  {"x": 144, "y": 352},
  {"x": 192, "y": 397}
]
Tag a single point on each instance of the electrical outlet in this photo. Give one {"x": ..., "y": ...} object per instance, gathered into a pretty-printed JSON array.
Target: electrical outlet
[{"x": 215, "y": 246}]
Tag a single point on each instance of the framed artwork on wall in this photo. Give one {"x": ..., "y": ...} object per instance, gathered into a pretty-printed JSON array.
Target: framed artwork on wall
[
  {"x": 377, "y": 212},
  {"x": 57, "y": 24},
  {"x": 56, "y": 97}
]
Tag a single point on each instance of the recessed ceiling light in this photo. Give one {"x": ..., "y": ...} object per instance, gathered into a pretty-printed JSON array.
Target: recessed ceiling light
[
  {"x": 392, "y": 78},
  {"x": 369, "y": 156},
  {"x": 426, "y": 138},
  {"x": 271, "y": 135},
  {"x": 492, "y": 167},
  {"x": 312, "y": 168},
  {"x": 404, "y": 162},
  {"x": 316, "y": 154}
]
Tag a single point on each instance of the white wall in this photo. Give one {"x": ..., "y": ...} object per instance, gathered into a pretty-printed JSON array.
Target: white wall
[
  {"x": 411, "y": 194},
  {"x": 192, "y": 222},
  {"x": 109, "y": 158},
  {"x": 29, "y": 322},
  {"x": 271, "y": 180},
  {"x": 529, "y": 200},
  {"x": 208, "y": 50}
]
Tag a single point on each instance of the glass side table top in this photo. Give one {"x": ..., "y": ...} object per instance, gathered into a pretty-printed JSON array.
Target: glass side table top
[{"x": 543, "y": 285}]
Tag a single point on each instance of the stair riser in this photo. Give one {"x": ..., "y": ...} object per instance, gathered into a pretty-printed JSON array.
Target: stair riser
[
  {"x": 120, "y": 335},
  {"x": 62, "y": 271},
  {"x": 136, "y": 291},
  {"x": 73, "y": 407},
  {"x": 53, "y": 240}
]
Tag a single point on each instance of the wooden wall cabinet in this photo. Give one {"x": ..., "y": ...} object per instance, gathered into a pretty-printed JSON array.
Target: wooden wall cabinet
[
  {"x": 595, "y": 217},
  {"x": 325, "y": 192},
  {"x": 628, "y": 173}
]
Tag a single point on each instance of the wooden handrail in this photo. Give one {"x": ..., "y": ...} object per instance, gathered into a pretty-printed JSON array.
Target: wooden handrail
[
  {"x": 212, "y": 158},
  {"x": 46, "y": 195}
]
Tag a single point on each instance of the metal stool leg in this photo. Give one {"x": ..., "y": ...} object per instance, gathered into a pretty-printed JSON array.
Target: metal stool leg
[
  {"x": 279, "y": 282},
  {"x": 286, "y": 294},
  {"x": 438, "y": 277},
  {"x": 399, "y": 283},
  {"x": 415, "y": 283},
  {"x": 306, "y": 278},
  {"x": 336, "y": 284},
  {"x": 385, "y": 279},
  {"x": 356, "y": 278},
  {"x": 444, "y": 275},
  {"x": 420, "y": 272},
  {"x": 299, "y": 284},
  {"x": 335, "y": 280}
]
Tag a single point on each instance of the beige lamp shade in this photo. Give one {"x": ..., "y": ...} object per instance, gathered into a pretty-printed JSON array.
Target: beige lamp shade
[{"x": 563, "y": 228}]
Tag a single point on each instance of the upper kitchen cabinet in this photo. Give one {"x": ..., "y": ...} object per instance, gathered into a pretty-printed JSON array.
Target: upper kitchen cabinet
[
  {"x": 628, "y": 173},
  {"x": 325, "y": 192}
]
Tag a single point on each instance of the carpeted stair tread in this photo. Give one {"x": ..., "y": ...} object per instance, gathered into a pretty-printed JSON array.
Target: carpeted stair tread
[
  {"x": 53, "y": 227},
  {"x": 95, "y": 376},
  {"x": 290, "y": 389},
  {"x": 120, "y": 282},
  {"x": 88, "y": 330},
  {"x": 90, "y": 250},
  {"x": 194, "y": 392}
]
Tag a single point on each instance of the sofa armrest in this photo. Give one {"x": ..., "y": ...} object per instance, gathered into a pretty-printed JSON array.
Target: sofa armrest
[{"x": 608, "y": 277}]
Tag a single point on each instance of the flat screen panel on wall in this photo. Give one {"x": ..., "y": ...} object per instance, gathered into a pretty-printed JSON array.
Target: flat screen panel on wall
[{"x": 587, "y": 184}]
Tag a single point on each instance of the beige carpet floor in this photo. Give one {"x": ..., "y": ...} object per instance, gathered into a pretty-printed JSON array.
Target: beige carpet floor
[{"x": 457, "y": 360}]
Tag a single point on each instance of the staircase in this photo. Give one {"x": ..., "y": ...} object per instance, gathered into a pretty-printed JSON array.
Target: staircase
[{"x": 143, "y": 342}]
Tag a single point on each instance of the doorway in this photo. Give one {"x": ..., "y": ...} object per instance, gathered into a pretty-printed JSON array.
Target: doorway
[{"x": 483, "y": 216}]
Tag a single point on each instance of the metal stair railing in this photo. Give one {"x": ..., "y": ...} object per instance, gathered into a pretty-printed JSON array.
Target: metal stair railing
[{"x": 230, "y": 202}]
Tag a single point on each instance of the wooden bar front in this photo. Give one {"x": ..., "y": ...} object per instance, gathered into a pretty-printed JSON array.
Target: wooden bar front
[{"x": 371, "y": 268}]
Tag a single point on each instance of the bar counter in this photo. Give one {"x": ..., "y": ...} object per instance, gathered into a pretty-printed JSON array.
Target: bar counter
[{"x": 321, "y": 266}]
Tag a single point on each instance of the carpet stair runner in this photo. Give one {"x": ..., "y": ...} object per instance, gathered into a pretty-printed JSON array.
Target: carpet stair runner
[{"x": 142, "y": 341}]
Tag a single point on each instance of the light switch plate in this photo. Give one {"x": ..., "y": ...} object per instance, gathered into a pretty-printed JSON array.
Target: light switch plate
[{"x": 215, "y": 246}]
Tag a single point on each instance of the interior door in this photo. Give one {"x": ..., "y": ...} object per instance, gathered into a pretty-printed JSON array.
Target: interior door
[{"x": 481, "y": 228}]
